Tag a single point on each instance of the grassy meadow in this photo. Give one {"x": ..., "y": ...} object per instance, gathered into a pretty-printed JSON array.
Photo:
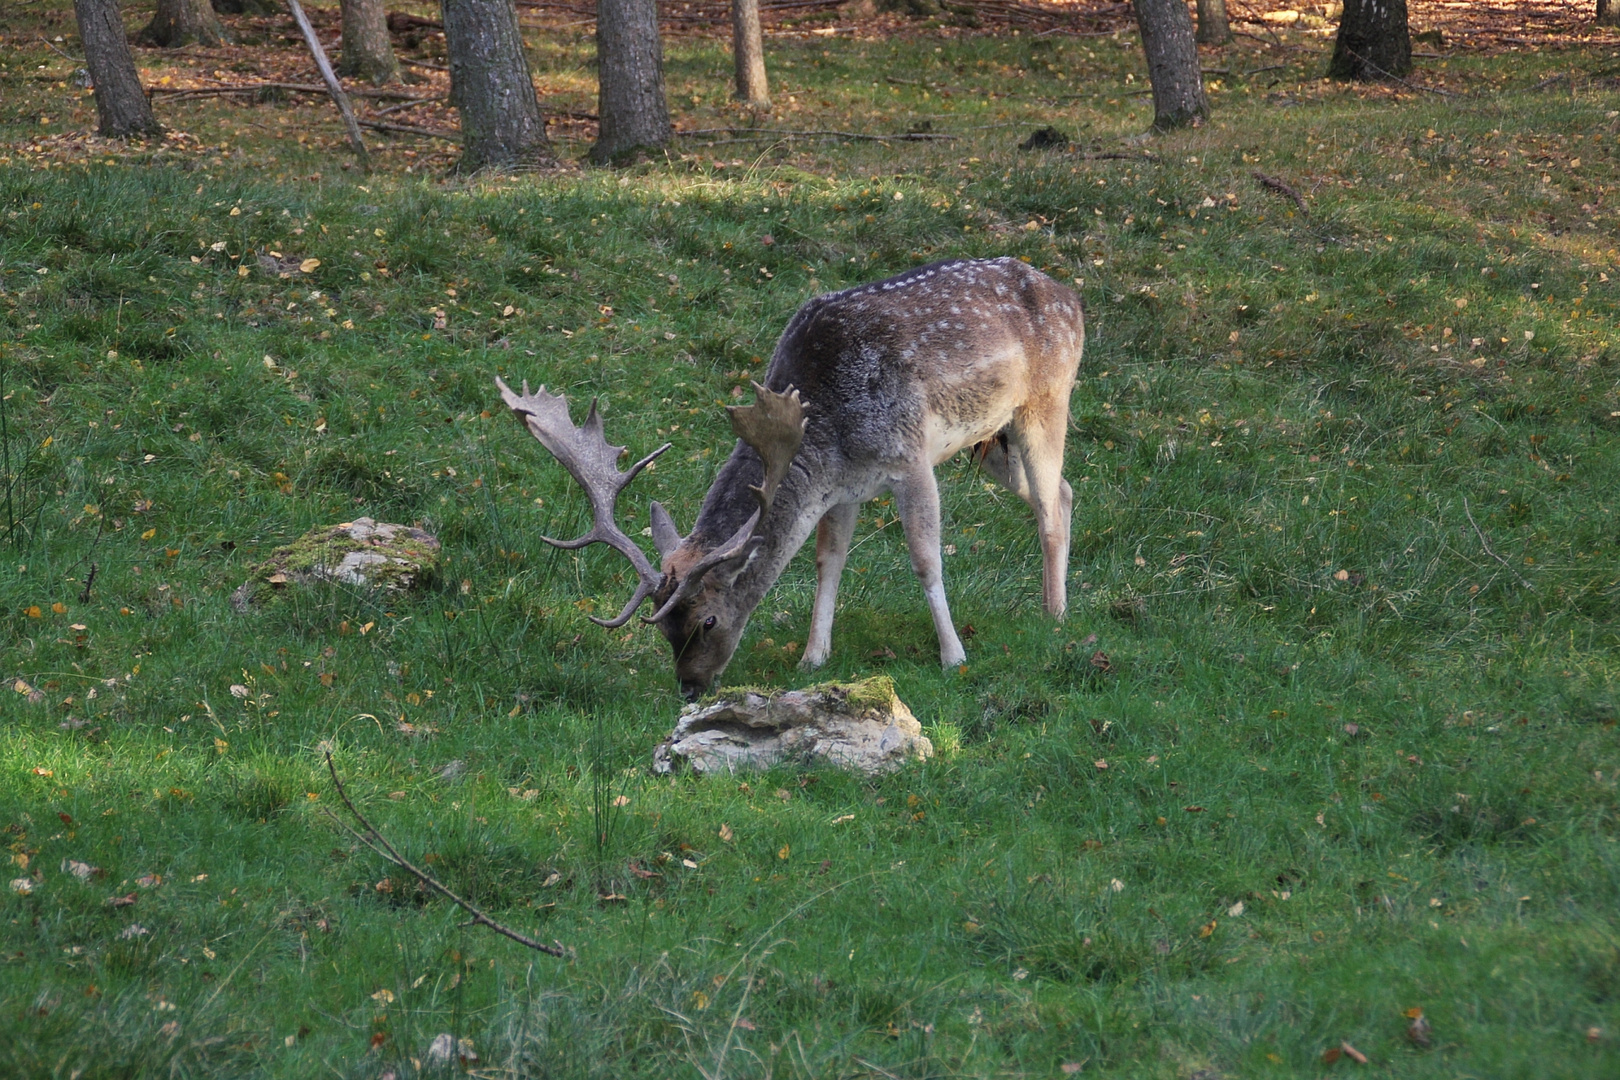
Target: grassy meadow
[{"x": 1344, "y": 530}]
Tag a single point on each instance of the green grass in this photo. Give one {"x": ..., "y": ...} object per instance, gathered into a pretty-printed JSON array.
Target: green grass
[{"x": 1302, "y": 505}]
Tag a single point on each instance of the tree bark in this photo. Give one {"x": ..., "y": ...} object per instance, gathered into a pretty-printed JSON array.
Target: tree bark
[
  {"x": 748, "y": 50},
  {"x": 631, "y": 108},
  {"x": 490, "y": 86},
  {"x": 1213, "y": 28},
  {"x": 1374, "y": 41},
  {"x": 1608, "y": 13},
  {"x": 121, "y": 104},
  {"x": 368, "y": 53},
  {"x": 183, "y": 22},
  {"x": 1172, "y": 56}
]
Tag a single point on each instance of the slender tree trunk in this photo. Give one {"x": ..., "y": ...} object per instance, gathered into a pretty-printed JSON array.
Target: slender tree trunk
[
  {"x": 748, "y": 49},
  {"x": 368, "y": 53},
  {"x": 1172, "y": 56},
  {"x": 183, "y": 22},
  {"x": 1213, "y": 29},
  {"x": 121, "y": 103},
  {"x": 631, "y": 107},
  {"x": 1374, "y": 41},
  {"x": 1608, "y": 13},
  {"x": 501, "y": 125}
]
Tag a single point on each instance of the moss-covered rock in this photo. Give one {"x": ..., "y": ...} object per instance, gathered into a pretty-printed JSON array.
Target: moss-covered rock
[{"x": 362, "y": 553}]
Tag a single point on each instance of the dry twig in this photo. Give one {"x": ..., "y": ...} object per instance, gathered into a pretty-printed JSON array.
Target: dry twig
[
  {"x": 376, "y": 842},
  {"x": 1486, "y": 544},
  {"x": 1271, "y": 183}
]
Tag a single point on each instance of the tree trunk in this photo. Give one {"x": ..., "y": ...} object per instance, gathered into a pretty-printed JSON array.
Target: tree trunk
[
  {"x": 246, "y": 7},
  {"x": 1608, "y": 13},
  {"x": 121, "y": 103},
  {"x": 1213, "y": 29},
  {"x": 368, "y": 53},
  {"x": 501, "y": 125},
  {"x": 748, "y": 49},
  {"x": 183, "y": 22},
  {"x": 1374, "y": 41},
  {"x": 630, "y": 71},
  {"x": 1172, "y": 56}
]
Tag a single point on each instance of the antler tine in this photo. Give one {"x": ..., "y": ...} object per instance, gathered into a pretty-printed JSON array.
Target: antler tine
[
  {"x": 644, "y": 590},
  {"x": 593, "y": 463},
  {"x": 774, "y": 427},
  {"x": 740, "y": 542}
]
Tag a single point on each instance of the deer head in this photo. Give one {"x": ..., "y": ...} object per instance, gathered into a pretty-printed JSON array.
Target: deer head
[{"x": 698, "y": 610}]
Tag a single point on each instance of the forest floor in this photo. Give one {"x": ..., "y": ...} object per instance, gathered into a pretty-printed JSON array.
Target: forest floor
[{"x": 1328, "y": 740}]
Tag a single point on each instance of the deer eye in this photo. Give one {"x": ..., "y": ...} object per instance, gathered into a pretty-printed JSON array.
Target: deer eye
[{"x": 708, "y": 624}]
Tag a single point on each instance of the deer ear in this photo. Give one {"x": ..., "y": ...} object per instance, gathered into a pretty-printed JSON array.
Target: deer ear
[{"x": 666, "y": 537}]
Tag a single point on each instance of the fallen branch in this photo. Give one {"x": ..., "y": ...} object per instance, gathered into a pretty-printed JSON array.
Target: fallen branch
[
  {"x": 59, "y": 52},
  {"x": 410, "y": 129},
  {"x": 1272, "y": 184},
  {"x": 1396, "y": 78},
  {"x": 1486, "y": 544},
  {"x": 333, "y": 87},
  {"x": 755, "y": 134},
  {"x": 295, "y": 88},
  {"x": 408, "y": 103},
  {"x": 376, "y": 842},
  {"x": 423, "y": 64}
]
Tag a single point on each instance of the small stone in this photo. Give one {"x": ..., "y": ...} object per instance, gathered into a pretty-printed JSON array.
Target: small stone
[
  {"x": 863, "y": 727},
  {"x": 363, "y": 553}
]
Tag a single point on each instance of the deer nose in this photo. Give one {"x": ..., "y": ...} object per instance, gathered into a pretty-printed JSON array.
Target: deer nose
[{"x": 691, "y": 691}]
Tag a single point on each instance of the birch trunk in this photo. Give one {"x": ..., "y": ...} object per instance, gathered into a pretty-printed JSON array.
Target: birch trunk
[
  {"x": 1374, "y": 41},
  {"x": 1172, "y": 57},
  {"x": 501, "y": 125},
  {"x": 368, "y": 53},
  {"x": 121, "y": 105},
  {"x": 1213, "y": 27},
  {"x": 633, "y": 113},
  {"x": 748, "y": 50},
  {"x": 183, "y": 22}
]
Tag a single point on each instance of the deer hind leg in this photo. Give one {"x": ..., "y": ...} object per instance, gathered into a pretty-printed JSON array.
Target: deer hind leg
[
  {"x": 832, "y": 550},
  {"x": 1036, "y": 447},
  {"x": 1005, "y": 459},
  {"x": 916, "y": 497}
]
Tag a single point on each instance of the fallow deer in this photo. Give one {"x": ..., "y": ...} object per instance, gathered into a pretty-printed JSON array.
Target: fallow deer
[{"x": 867, "y": 391}]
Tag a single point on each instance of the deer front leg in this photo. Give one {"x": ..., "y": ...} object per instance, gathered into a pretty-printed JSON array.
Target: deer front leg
[
  {"x": 916, "y": 497},
  {"x": 833, "y": 534}
]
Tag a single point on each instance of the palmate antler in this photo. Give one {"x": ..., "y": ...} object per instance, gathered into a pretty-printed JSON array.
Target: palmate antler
[
  {"x": 584, "y": 451},
  {"x": 773, "y": 426}
]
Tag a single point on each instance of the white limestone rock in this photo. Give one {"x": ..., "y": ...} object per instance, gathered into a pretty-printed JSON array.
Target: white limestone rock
[{"x": 863, "y": 727}]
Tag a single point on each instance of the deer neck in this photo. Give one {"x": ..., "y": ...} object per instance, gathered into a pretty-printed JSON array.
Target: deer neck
[{"x": 799, "y": 504}]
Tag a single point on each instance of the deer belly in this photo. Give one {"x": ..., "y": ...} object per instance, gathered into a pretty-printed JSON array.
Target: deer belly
[{"x": 947, "y": 435}]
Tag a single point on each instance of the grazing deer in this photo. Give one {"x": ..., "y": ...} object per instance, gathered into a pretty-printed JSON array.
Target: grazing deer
[{"x": 867, "y": 391}]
